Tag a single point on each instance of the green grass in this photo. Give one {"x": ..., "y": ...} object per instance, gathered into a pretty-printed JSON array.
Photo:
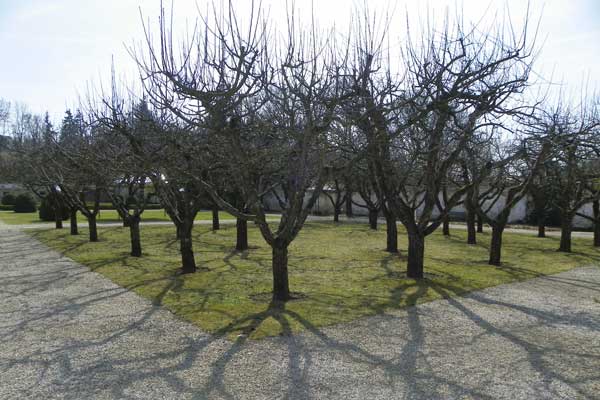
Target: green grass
[
  {"x": 339, "y": 271},
  {"x": 13, "y": 218}
]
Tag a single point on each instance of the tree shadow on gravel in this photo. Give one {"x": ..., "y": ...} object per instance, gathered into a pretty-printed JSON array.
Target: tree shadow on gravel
[
  {"x": 123, "y": 371},
  {"x": 408, "y": 366},
  {"x": 123, "y": 357},
  {"x": 211, "y": 359},
  {"x": 535, "y": 353}
]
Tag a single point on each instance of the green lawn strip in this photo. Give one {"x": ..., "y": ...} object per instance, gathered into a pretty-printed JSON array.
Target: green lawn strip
[
  {"x": 340, "y": 273},
  {"x": 13, "y": 218}
]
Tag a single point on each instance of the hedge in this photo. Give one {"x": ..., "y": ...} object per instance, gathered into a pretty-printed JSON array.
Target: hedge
[
  {"x": 8, "y": 199},
  {"x": 24, "y": 204},
  {"x": 46, "y": 211}
]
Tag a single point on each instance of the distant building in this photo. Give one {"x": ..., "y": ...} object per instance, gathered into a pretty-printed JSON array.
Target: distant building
[
  {"x": 4, "y": 141},
  {"x": 12, "y": 188}
]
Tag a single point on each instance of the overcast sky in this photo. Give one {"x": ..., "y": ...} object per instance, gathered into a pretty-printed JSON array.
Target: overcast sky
[{"x": 52, "y": 48}]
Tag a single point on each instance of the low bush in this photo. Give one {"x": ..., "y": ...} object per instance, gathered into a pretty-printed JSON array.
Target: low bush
[
  {"x": 551, "y": 218},
  {"x": 46, "y": 211},
  {"x": 4, "y": 207},
  {"x": 8, "y": 199},
  {"x": 24, "y": 203}
]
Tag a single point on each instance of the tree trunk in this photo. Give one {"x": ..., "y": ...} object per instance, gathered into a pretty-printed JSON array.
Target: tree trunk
[
  {"x": 479, "y": 224},
  {"x": 446, "y": 226},
  {"x": 57, "y": 209},
  {"x": 336, "y": 213},
  {"x": 373, "y": 219},
  {"x": 416, "y": 253},
  {"x": 349, "y": 211},
  {"x": 241, "y": 243},
  {"x": 392, "y": 234},
  {"x": 58, "y": 219},
  {"x": 134, "y": 233},
  {"x": 73, "y": 221},
  {"x": 541, "y": 219},
  {"x": 281, "y": 287},
  {"x": 496, "y": 245},
  {"x": 93, "y": 228},
  {"x": 541, "y": 228},
  {"x": 596, "y": 208},
  {"x": 471, "y": 231},
  {"x": 566, "y": 227},
  {"x": 215, "y": 219},
  {"x": 188, "y": 262}
]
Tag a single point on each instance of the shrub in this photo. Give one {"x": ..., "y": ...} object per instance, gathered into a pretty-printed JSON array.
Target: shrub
[
  {"x": 46, "y": 211},
  {"x": 24, "y": 204},
  {"x": 6, "y": 208},
  {"x": 8, "y": 199},
  {"x": 552, "y": 217}
]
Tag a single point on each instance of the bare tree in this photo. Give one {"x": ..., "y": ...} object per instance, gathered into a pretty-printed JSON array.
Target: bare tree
[
  {"x": 154, "y": 148},
  {"x": 77, "y": 169},
  {"x": 417, "y": 124},
  {"x": 72, "y": 127},
  {"x": 541, "y": 206},
  {"x": 127, "y": 187},
  {"x": 574, "y": 134},
  {"x": 337, "y": 196},
  {"x": 5, "y": 107},
  {"x": 479, "y": 224},
  {"x": 595, "y": 217},
  {"x": 33, "y": 146},
  {"x": 473, "y": 161},
  {"x": 370, "y": 200},
  {"x": 470, "y": 212},
  {"x": 501, "y": 183},
  {"x": 241, "y": 89}
]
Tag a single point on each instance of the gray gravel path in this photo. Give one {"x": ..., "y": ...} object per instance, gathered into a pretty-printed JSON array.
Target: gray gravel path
[{"x": 68, "y": 333}]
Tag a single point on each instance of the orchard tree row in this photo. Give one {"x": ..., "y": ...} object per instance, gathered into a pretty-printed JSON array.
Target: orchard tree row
[{"x": 237, "y": 111}]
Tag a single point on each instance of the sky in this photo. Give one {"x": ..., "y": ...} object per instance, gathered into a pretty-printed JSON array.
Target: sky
[{"x": 52, "y": 50}]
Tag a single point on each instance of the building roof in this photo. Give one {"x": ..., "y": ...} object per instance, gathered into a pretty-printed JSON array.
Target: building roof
[{"x": 10, "y": 186}]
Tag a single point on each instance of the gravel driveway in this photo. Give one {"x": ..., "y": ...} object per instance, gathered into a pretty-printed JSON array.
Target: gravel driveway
[{"x": 68, "y": 333}]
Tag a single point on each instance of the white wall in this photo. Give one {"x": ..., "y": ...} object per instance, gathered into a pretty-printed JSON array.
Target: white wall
[{"x": 518, "y": 214}]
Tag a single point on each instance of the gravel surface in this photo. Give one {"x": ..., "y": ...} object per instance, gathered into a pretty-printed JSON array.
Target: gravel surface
[{"x": 68, "y": 333}]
